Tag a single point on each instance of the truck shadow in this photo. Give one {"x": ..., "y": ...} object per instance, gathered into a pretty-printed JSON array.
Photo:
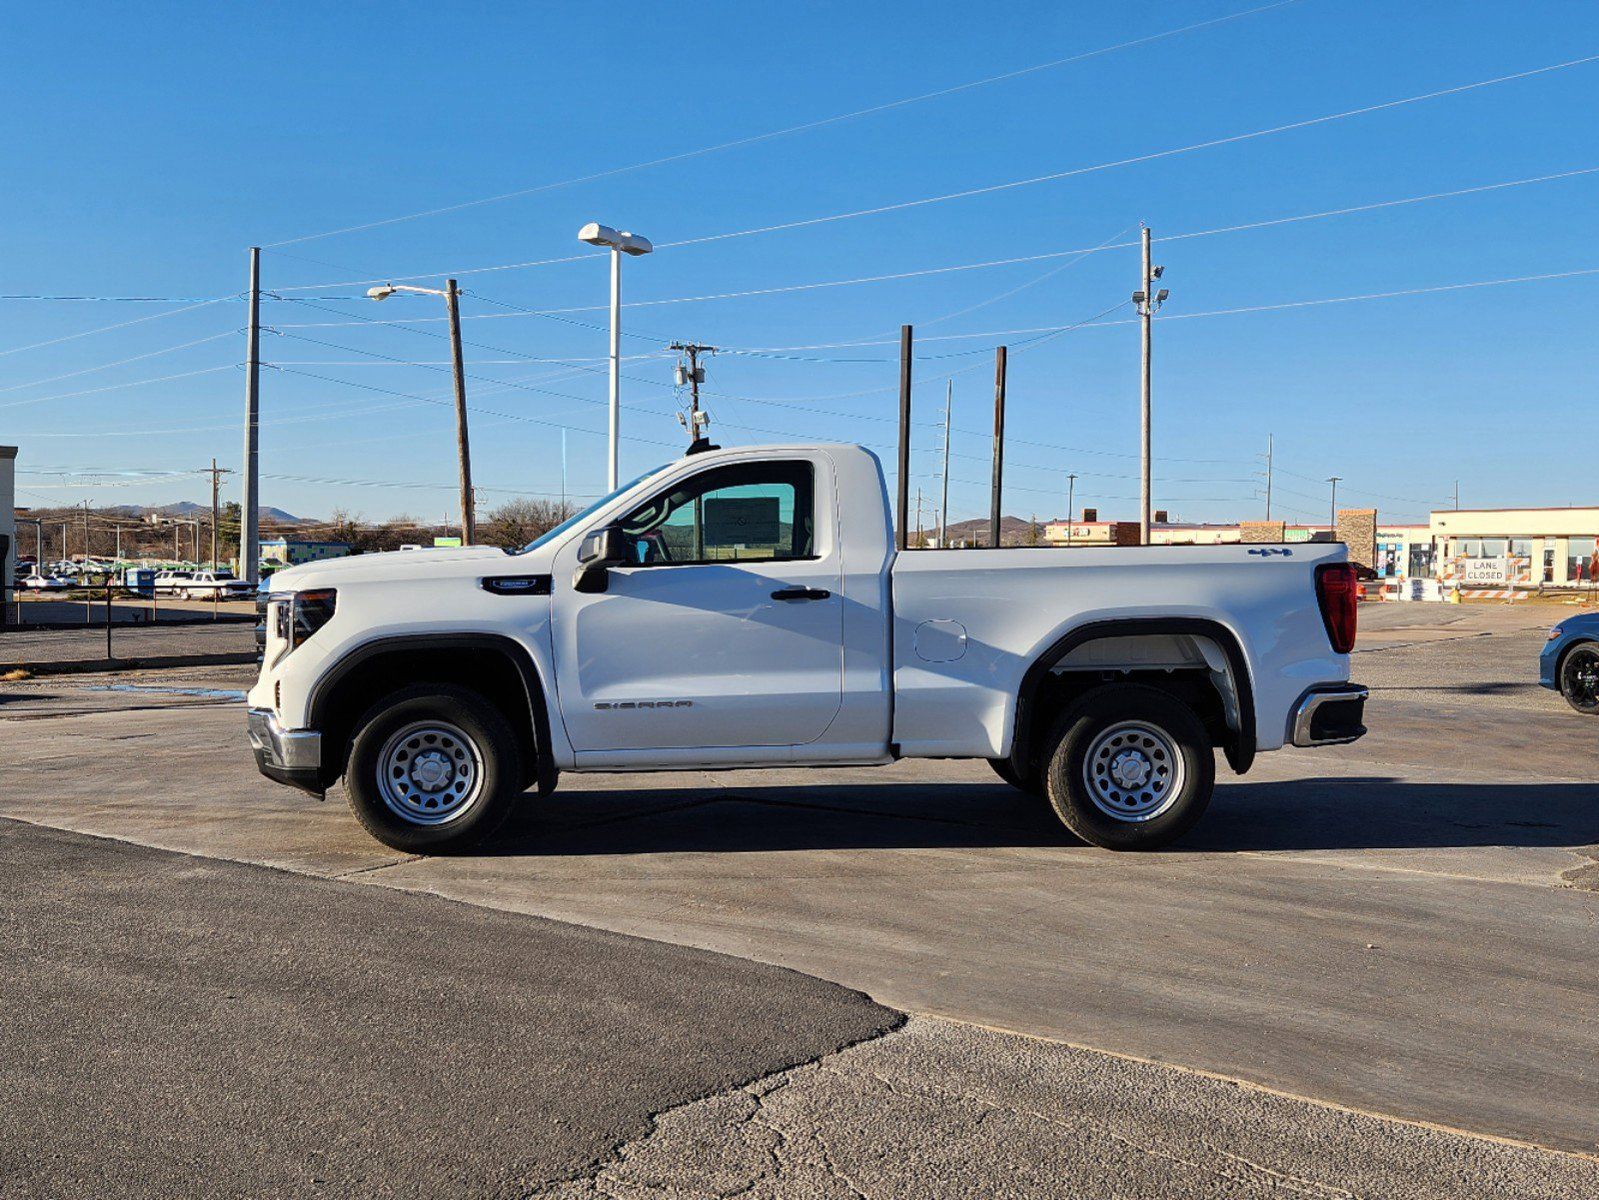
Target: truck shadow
[{"x": 1307, "y": 814}]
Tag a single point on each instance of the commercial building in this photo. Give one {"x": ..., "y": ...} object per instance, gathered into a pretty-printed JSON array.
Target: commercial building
[
  {"x": 1516, "y": 547},
  {"x": 291, "y": 552},
  {"x": 1496, "y": 549}
]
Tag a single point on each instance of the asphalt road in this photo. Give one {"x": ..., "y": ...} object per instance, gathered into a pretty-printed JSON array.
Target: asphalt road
[
  {"x": 1403, "y": 927},
  {"x": 50, "y": 650},
  {"x": 173, "y": 1026}
]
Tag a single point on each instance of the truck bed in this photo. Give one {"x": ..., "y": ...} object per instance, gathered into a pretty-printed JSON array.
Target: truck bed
[{"x": 967, "y": 625}]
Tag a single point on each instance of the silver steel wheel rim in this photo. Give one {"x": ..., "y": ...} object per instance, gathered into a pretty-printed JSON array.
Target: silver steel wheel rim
[
  {"x": 1133, "y": 771},
  {"x": 430, "y": 773}
]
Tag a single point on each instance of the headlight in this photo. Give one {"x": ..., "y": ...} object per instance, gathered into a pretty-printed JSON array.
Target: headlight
[{"x": 298, "y": 615}]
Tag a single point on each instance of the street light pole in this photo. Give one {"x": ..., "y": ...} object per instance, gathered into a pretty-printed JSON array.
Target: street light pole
[
  {"x": 1071, "y": 490},
  {"x": 452, "y": 303},
  {"x": 620, "y": 242},
  {"x": 614, "y": 419},
  {"x": 1148, "y": 301},
  {"x": 1332, "y": 525},
  {"x": 250, "y": 508}
]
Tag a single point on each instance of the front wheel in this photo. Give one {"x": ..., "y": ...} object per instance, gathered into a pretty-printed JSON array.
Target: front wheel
[
  {"x": 1579, "y": 679},
  {"x": 1130, "y": 767},
  {"x": 433, "y": 769},
  {"x": 1006, "y": 770}
]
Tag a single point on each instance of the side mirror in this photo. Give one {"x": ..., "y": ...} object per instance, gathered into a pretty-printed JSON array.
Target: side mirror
[{"x": 600, "y": 550}]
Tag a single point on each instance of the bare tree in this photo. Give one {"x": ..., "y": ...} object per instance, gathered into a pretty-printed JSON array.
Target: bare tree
[{"x": 517, "y": 522}]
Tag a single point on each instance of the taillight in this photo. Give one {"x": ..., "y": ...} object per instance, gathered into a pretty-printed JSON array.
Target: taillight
[{"x": 1335, "y": 592}]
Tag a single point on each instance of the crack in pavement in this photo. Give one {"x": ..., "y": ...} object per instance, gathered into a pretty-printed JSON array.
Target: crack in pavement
[{"x": 907, "y": 1114}]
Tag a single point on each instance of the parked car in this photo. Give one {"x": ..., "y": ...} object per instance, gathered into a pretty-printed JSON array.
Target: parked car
[
  {"x": 1570, "y": 662},
  {"x": 218, "y": 585},
  {"x": 747, "y": 608},
  {"x": 169, "y": 582},
  {"x": 45, "y": 583}
]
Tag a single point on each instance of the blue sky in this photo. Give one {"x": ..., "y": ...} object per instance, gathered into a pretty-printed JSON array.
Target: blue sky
[{"x": 147, "y": 148}]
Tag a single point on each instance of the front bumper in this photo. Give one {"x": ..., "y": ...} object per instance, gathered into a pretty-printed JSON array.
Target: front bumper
[
  {"x": 1549, "y": 662},
  {"x": 291, "y": 756},
  {"x": 1329, "y": 714}
]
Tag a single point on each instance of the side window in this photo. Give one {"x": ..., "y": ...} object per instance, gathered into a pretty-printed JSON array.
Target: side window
[{"x": 747, "y": 512}]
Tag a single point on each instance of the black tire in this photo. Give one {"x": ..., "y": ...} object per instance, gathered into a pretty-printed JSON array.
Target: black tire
[
  {"x": 1004, "y": 768},
  {"x": 459, "y": 737},
  {"x": 1150, "y": 733},
  {"x": 1579, "y": 678}
]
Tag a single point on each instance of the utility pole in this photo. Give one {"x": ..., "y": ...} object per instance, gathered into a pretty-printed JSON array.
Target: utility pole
[
  {"x": 563, "y": 475},
  {"x": 997, "y": 484},
  {"x": 250, "y": 507},
  {"x": 1071, "y": 490},
  {"x": 1457, "y": 495},
  {"x": 468, "y": 511},
  {"x": 693, "y": 375},
  {"x": 119, "y": 543},
  {"x": 1333, "y": 523},
  {"x": 918, "y": 517},
  {"x": 1270, "y": 448},
  {"x": 86, "y": 555},
  {"x": 1147, "y": 301},
  {"x": 216, "y": 474},
  {"x": 903, "y": 483},
  {"x": 943, "y": 507}
]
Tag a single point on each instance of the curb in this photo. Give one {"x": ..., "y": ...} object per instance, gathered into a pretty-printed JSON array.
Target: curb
[{"x": 148, "y": 663}]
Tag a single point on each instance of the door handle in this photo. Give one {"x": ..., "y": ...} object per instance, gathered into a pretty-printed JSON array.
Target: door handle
[{"x": 799, "y": 593}]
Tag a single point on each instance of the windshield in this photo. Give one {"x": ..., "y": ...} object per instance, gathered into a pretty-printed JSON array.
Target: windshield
[{"x": 550, "y": 535}]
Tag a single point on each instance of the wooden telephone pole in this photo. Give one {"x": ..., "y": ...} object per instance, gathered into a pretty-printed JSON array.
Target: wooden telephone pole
[
  {"x": 693, "y": 375},
  {"x": 452, "y": 299},
  {"x": 997, "y": 483},
  {"x": 216, "y": 474}
]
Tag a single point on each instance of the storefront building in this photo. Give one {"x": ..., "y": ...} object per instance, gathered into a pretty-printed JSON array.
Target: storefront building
[{"x": 1517, "y": 547}]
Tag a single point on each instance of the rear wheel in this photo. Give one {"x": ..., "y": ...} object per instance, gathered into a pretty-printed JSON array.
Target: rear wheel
[
  {"x": 432, "y": 769},
  {"x": 1579, "y": 679},
  {"x": 1129, "y": 768}
]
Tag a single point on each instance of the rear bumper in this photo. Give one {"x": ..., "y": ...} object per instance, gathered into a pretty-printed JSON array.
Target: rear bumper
[
  {"x": 1329, "y": 714},
  {"x": 290, "y": 756}
]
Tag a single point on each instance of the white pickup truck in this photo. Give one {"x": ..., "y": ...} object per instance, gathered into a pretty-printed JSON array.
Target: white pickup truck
[{"x": 748, "y": 608}]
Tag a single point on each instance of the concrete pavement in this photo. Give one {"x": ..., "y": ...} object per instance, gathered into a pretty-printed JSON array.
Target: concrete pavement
[
  {"x": 952, "y": 1111},
  {"x": 1401, "y": 926}
]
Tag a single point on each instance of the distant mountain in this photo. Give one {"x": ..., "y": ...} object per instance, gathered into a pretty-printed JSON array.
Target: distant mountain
[
  {"x": 188, "y": 510},
  {"x": 1013, "y": 531}
]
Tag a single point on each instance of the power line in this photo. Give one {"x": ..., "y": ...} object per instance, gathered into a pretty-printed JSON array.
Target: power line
[
  {"x": 115, "y": 387},
  {"x": 1016, "y": 260},
  {"x": 1152, "y": 156},
  {"x": 119, "y": 325},
  {"x": 121, "y": 362},
  {"x": 784, "y": 132},
  {"x": 110, "y": 299},
  {"x": 1256, "y": 308}
]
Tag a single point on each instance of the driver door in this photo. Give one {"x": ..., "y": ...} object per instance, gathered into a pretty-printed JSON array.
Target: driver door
[{"x": 724, "y": 627}]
